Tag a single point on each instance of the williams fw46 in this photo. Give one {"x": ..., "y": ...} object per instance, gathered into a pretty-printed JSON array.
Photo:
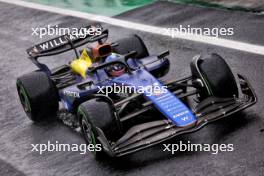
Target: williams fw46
[{"x": 127, "y": 122}]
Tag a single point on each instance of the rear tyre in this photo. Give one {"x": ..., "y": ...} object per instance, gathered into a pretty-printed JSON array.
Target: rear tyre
[
  {"x": 135, "y": 43},
  {"x": 215, "y": 75},
  {"x": 132, "y": 43},
  {"x": 93, "y": 114},
  {"x": 38, "y": 96}
]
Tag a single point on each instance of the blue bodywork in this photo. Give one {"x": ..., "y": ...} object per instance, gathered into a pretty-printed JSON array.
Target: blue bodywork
[{"x": 166, "y": 102}]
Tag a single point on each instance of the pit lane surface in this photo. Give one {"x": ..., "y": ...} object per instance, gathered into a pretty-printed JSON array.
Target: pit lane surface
[{"x": 243, "y": 129}]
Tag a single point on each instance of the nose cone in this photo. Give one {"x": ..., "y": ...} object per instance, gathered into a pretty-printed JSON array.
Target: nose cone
[{"x": 184, "y": 118}]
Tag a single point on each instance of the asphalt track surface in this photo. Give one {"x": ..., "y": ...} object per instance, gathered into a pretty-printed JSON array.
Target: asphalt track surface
[{"x": 244, "y": 130}]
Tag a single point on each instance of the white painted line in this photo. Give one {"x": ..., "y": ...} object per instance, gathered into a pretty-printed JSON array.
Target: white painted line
[{"x": 237, "y": 45}]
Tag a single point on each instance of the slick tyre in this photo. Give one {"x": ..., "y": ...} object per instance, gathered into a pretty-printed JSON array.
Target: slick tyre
[
  {"x": 38, "y": 96},
  {"x": 94, "y": 114},
  {"x": 131, "y": 43},
  {"x": 216, "y": 76}
]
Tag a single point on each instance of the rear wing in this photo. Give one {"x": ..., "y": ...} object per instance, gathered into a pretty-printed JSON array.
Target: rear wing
[{"x": 64, "y": 43}]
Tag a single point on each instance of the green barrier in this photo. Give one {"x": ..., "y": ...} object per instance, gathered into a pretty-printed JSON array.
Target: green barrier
[{"x": 115, "y": 7}]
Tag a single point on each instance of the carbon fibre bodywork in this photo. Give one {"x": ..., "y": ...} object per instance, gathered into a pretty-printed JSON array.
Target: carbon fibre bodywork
[{"x": 151, "y": 133}]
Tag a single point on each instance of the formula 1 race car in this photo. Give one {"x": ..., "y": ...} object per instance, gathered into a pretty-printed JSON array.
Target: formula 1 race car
[{"x": 123, "y": 122}]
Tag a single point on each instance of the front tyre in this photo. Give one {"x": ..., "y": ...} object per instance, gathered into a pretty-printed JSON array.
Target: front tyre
[
  {"x": 215, "y": 75},
  {"x": 96, "y": 113},
  {"x": 89, "y": 135}
]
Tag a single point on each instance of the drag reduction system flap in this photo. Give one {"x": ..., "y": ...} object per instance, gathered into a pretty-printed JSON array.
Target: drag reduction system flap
[{"x": 64, "y": 43}]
